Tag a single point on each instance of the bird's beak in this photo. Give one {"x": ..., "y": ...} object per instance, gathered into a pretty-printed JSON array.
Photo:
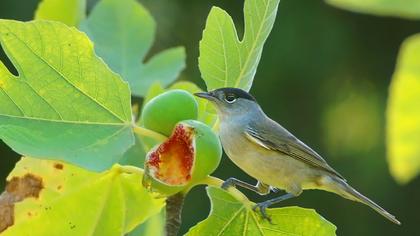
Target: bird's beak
[{"x": 205, "y": 95}]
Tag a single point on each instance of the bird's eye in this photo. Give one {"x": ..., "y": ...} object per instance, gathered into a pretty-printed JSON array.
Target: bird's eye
[{"x": 230, "y": 98}]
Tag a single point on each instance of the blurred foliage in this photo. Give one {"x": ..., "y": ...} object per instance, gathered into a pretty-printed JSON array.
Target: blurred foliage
[
  {"x": 403, "y": 114},
  {"x": 313, "y": 49},
  {"x": 70, "y": 12},
  {"x": 400, "y": 8},
  {"x": 123, "y": 32},
  {"x": 98, "y": 194},
  {"x": 352, "y": 119}
]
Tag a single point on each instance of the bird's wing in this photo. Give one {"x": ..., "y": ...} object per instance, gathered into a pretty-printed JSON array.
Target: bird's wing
[{"x": 275, "y": 137}]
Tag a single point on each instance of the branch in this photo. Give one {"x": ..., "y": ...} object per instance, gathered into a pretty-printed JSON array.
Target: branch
[{"x": 174, "y": 206}]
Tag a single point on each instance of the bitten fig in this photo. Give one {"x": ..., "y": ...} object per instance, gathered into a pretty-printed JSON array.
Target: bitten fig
[
  {"x": 190, "y": 154},
  {"x": 163, "y": 112}
]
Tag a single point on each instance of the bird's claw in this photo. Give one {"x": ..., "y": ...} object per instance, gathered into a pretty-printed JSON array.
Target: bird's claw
[{"x": 262, "y": 206}]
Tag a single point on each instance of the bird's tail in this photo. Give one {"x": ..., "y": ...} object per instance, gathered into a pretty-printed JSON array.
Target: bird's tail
[{"x": 350, "y": 193}]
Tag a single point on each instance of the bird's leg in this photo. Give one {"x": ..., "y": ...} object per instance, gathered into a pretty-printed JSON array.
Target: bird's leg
[
  {"x": 260, "y": 188},
  {"x": 263, "y": 189},
  {"x": 263, "y": 205}
]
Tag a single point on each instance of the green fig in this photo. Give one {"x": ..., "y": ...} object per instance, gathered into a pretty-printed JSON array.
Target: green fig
[
  {"x": 164, "y": 111},
  {"x": 189, "y": 155}
]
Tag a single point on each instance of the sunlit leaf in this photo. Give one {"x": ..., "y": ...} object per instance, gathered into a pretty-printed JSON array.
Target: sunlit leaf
[
  {"x": 70, "y": 12},
  {"x": 405, "y": 9},
  {"x": 230, "y": 216},
  {"x": 123, "y": 33},
  {"x": 74, "y": 201},
  {"x": 362, "y": 132},
  {"x": 403, "y": 113},
  {"x": 226, "y": 61},
  {"x": 154, "y": 226},
  {"x": 66, "y": 103}
]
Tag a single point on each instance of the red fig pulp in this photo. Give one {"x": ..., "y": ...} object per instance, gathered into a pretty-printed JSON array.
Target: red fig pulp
[{"x": 172, "y": 162}]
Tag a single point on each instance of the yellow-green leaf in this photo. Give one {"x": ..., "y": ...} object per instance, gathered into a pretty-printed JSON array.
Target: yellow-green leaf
[
  {"x": 399, "y": 8},
  {"x": 403, "y": 113},
  {"x": 226, "y": 61},
  {"x": 74, "y": 201},
  {"x": 70, "y": 12},
  {"x": 230, "y": 216},
  {"x": 65, "y": 103},
  {"x": 154, "y": 226}
]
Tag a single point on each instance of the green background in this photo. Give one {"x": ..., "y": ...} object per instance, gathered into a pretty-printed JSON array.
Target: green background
[{"x": 324, "y": 75}]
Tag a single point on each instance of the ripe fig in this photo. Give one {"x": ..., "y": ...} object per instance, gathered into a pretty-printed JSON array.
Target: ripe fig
[
  {"x": 165, "y": 110},
  {"x": 190, "y": 154}
]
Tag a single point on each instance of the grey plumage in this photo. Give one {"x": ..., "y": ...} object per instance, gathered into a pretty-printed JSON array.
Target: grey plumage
[
  {"x": 273, "y": 136},
  {"x": 271, "y": 154}
]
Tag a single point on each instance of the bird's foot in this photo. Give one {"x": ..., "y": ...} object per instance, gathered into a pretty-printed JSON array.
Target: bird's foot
[
  {"x": 228, "y": 183},
  {"x": 262, "y": 206}
]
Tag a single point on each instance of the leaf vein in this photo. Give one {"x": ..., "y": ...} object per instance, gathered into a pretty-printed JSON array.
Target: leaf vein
[
  {"x": 231, "y": 220},
  {"x": 64, "y": 78},
  {"x": 257, "y": 224},
  {"x": 279, "y": 231},
  {"x": 13, "y": 101},
  {"x": 63, "y": 121},
  {"x": 44, "y": 99},
  {"x": 248, "y": 58},
  {"x": 224, "y": 51}
]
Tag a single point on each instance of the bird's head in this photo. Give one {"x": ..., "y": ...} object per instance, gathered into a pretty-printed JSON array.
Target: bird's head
[{"x": 231, "y": 102}]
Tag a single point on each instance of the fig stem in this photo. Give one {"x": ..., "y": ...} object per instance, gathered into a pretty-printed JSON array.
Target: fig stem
[
  {"x": 216, "y": 182},
  {"x": 149, "y": 133},
  {"x": 212, "y": 181}
]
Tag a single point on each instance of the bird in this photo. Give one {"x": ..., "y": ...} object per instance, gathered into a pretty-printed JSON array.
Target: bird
[{"x": 272, "y": 155}]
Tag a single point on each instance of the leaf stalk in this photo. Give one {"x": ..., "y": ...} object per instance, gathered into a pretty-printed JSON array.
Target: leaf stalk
[{"x": 141, "y": 131}]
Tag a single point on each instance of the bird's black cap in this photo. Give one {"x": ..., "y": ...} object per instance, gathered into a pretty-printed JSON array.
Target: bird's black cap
[{"x": 239, "y": 93}]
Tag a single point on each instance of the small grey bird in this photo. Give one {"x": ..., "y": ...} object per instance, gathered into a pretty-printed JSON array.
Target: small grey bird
[{"x": 272, "y": 155}]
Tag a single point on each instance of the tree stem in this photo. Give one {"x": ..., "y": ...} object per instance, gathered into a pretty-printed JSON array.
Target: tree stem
[{"x": 174, "y": 206}]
